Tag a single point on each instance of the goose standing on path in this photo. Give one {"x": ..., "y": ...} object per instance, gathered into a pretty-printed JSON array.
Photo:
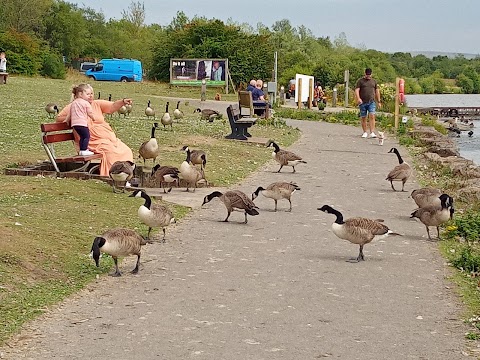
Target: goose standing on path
[
  {"x": 285, "y": 157},
  {"x": 166, "y": 118},
  {"x": 51, "y": 109},
  {"x": 189, "y": 172},
  {"x": 435, "y": 215},
  {"x": 153, "y": 215},
  {"x": 177, "y": 113},
  {"x": 165, "y": 174},
  {"x": 234, "y": 200},
  {"x": 121, "y": 171},
  {"x": 357, "y": 230},
  {"x": 150, "y": 149},
  {"x": 149, "y": 111},
  {"x": 118, "y": 242},
  {"x": 401, "y": 172},
  {"x": 277, "y": 191}
]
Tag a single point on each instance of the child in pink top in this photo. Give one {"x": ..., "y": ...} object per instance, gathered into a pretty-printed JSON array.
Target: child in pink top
[{"x": 80, "y": 111}]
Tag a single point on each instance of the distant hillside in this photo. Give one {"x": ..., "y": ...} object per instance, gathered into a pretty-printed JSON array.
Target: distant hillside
[{"x": 431, "y": 54}]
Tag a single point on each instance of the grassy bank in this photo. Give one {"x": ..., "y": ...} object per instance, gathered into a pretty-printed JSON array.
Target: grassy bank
[{"x": 47, "y": 225}]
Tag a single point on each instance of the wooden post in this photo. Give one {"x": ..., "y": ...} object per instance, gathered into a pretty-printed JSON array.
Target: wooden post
[
  {"x": 310, "y": 93},
  {"x": 397, "y": 102},
  {"x": 299, "y": 93},
  {"x": 347, "y": 78}
]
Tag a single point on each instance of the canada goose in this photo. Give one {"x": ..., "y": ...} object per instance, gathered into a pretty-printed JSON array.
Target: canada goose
[
  {"x": 122, "y": 111},
  {"x": 165, "y": 174},
  {"x": 401, "y": 172},
  {"x": 284, "y": 157},
  {"x": 207, "y": 114},
  {"x": 277, "y": 191},
  {"x": 118, "y": 242},
  {"x": 149, "y": 111},
  {"x": 190, "y": 173},
  {"x": 166, "y": 118},
  {"x": 129, "y": 108},
  {"x": 153, "y": 215},
  {"x": 121, "y": 171},
  {"x": 51, "y": 109},
  {"x": 150, "y": 149},
  {"x": 454, "y": 132},
  {"x": 232, "y": 200},
  {"x": 435, "y": 215},
  {"x": 197, "y": 157},
  {"x": 177, "y": 113},
  {"x": 357, "y": 230},
  {"x": 426, "y": 197}
]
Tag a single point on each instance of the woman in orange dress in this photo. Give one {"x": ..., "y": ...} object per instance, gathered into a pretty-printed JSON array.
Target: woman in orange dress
[{"x": 102, "y": 138}]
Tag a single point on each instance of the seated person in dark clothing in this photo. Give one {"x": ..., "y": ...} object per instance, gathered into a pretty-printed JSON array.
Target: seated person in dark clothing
[
  {"x": 258, "y": 98},
  {"x": 257, "y": 93},
  {"x": 252, "y": 84}
]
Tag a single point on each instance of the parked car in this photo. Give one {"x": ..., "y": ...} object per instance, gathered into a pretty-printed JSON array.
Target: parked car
[
  {"x": 116, "y": 70},
  {"x": 84, "y": 66}
]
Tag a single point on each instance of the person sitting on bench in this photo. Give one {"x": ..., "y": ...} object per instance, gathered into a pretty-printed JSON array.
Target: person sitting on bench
[
  {"x": 102, "y": 137},
  {"x": 258, "y": 98}
]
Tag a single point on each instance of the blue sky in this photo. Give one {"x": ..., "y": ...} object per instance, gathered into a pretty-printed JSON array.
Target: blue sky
[{"x": 385, "y": 25}]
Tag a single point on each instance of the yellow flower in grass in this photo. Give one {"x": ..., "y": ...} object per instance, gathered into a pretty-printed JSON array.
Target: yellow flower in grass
[{"x": 451, "y": 228}]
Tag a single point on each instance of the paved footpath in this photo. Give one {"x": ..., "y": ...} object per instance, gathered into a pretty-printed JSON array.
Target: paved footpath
[{"x": 279, "y": 287}]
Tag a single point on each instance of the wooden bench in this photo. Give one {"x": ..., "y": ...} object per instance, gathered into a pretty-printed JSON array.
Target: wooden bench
[
  {"x": 238, "y": 123},
  {"x": 245, "y": 101},
  {"x": 3, "y": 77},
  {"x": 53, "y": 133}
]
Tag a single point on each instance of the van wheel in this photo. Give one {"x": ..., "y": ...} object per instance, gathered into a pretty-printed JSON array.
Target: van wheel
[
  {"x": 124, "y": 79},
  {"x": 92, "y": 77}
]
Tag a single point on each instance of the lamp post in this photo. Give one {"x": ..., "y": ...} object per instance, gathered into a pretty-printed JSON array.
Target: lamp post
[{"x": 203, "y": 93}]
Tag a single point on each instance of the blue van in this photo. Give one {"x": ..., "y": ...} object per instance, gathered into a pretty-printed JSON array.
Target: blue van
[{"x": 116, "y": 70}]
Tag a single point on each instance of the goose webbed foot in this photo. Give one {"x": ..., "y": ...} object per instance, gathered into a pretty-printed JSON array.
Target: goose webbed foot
[
  {"x": 117, "y": 272},
  {"x": 293, "y": 169}
]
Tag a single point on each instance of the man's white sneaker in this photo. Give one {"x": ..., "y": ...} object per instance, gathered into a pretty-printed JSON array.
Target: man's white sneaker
[
  {"x": 372, "y": 135},
  {"x": 85, "y": 152},
  {"x": 364, "y": 135}
]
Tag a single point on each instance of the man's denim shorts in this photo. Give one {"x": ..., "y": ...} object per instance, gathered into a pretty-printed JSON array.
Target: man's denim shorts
[{"x": 369, "y": 107}]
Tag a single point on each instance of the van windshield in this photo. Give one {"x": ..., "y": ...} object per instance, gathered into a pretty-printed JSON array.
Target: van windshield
[{"x": 98, "y": 67}]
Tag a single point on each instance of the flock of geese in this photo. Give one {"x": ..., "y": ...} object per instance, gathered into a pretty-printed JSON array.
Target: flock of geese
[{"x": 434, "y": 206}]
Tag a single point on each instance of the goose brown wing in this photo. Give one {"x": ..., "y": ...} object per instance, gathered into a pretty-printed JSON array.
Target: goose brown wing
[
  {"x": 166, "y": 170},
  {"x": 119, "y": 167},
  {"x": 399, "y": 172},
  {"x": 368, "y": 227},
  {"x": 239, "y": 200},
  {"x": 286, "y": 156}
]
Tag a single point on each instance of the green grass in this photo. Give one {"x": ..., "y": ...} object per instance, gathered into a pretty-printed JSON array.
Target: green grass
[{"x": 47, "y": 225}]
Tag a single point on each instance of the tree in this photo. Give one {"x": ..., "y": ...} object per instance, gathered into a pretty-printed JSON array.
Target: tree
[
  {"x": 23, "y": 16},
  {"x": 465, "y": 83}
]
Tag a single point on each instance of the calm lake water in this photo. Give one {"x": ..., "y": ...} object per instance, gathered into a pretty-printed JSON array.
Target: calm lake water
[{"x": 469, "y": 147}]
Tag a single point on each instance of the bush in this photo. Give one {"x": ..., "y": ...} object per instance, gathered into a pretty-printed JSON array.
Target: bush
[
  {"x": 466, "y": 226},
  {"x": 52, "y": 66},
  {"x": 468, "y": 260}
]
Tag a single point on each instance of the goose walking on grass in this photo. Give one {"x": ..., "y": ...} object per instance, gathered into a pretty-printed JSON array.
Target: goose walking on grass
[
  {"x": 197, "y": 157},
  {"x": 285, "y": 157},
  {"x": 177, "y": 113},
  {"x": 165, "y": 175},
  {"x": 118, "y": 242},
  {"x": 189, "y": 173},
  {"x": 153, "y": 215},
  {"x": 207, "y": 114},
  {"x": 234, "y": 200},
  {"x": 121, "y": 172},
  {"x": 357, "y": 230},
  {"x": 149, "y": 111},
  {"x": 277, "y": 191},
  {"x": 401, "y": 172},
  {"x": 166, "y": 118},
  {"x": 150, "y": 149},
  {"x": 435, "y": 215},
  {"x": 51, "y": 109}
]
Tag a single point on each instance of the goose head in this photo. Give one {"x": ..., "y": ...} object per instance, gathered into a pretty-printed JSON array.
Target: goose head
[
  {"x": 209, "y": 197},
  {"x": 257, "y": 192}
]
